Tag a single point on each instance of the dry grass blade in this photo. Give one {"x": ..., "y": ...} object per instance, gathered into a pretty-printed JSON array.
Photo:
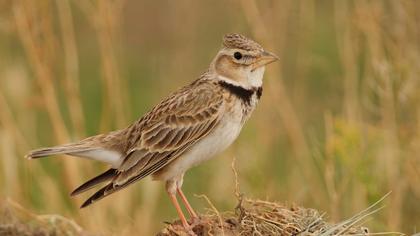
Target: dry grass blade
[
  {"x": 71, "y": 66},
  {"x": 343, "y": 227},
  {"x": 215, "y": 210}
]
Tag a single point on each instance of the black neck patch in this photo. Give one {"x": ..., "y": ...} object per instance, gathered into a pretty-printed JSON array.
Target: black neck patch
[
  {"x": 259, "y": 92},
  {"x": 244, "y": 94}
]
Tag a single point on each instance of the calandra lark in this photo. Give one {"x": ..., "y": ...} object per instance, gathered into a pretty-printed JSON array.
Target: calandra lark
[{"x": 188, "y": 127}]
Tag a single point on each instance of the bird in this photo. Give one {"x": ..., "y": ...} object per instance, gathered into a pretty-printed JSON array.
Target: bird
[{"x": 186, "y": 128}]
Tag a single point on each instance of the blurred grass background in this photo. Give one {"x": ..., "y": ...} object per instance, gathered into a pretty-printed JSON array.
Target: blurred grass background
[{"x": 338, "y": 125}]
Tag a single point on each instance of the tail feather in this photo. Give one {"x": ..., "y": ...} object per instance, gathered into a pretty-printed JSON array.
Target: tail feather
[
  {"x": 101, "y": 193},
  {"x": 68, "y": 149},
  {"x": 112, "y": 157},
  {"x": 107, "y": 175}
]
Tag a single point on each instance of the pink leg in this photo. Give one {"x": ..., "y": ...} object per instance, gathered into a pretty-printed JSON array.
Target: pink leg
[
  {"x": 187, "y": 204},
  {"x": 179, "y": 211}
]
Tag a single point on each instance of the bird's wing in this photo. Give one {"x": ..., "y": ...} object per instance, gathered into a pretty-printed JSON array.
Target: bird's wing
[{"x": 166, "y": 132}]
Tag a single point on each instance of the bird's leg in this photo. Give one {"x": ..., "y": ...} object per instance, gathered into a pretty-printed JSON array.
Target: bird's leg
[
  {"x": 179, "y": 182},
  {"x": 171, "y": 187},
  {"x": 187, "y": 204},
  {"x": 179, "y": 210}
]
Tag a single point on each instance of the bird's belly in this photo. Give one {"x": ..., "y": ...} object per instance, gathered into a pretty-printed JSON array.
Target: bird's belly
[{"x": 208, "y": 147}]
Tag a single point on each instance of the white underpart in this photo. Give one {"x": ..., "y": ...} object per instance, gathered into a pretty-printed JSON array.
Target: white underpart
[
  {"x": 111, "y": 157},
  {"x": 208, "y": 147}
]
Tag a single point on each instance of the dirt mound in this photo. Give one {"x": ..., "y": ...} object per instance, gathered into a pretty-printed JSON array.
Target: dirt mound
[{"x": 255, "y": 217}]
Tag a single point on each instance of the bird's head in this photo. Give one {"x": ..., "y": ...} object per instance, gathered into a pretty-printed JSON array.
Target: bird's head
[{"x": 241, "y": 61}]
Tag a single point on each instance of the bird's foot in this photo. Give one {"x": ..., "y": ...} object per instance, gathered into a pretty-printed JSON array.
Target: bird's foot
[
  {"x": 189, "y": 230},
  {"x": 191, "y": 224},
  {"x": 195, "y": 220}
]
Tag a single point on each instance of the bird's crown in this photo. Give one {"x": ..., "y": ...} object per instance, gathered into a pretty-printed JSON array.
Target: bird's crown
[{"x": 240, "y": 42}]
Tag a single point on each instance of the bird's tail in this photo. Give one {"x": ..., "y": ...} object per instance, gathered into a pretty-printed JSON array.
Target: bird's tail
[
  {"x": 107, "y": 175},
  {"x": 64, "y": 149}
]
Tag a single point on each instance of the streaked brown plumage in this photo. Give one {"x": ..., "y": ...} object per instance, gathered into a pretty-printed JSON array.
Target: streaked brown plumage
[{"x": 188, "y": 127}]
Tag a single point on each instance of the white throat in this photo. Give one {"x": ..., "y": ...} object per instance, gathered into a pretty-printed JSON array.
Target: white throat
[{"x": 254, "y": 79}]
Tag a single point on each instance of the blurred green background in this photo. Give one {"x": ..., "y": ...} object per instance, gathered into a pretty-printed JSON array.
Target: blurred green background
[{"x": 337, "y": 128}]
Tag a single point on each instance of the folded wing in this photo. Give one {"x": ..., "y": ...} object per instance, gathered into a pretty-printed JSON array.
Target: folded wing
[{"x": 165, "y": 133}]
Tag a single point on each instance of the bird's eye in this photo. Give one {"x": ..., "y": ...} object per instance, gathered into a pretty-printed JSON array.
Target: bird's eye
[{"x": 237, "y": 55}]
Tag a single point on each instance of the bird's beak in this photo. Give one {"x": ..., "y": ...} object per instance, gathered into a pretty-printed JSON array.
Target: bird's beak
[{"x": 265, "y": 59}]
